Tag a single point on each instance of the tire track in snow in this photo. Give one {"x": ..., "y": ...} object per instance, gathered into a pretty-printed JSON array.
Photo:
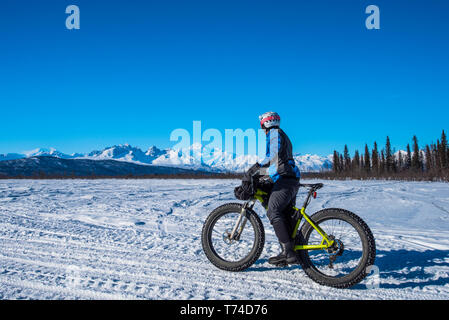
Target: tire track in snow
[
  {"x": 281, "y": 278},
  {"x": 161, "y": 259},
  {"x": 440, "y": 207},
  {"x": 190, "y": 267},
  {"x": 186, "y": 268}
]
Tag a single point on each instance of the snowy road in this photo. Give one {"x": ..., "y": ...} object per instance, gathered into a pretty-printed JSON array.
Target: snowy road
[{"x": 140, "y": 239}]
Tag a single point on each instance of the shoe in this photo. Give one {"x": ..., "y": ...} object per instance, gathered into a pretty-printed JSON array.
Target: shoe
[{"x": 287, "y": 255}]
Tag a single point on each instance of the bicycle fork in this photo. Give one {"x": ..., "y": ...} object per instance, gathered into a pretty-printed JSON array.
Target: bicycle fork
[{"x": 241, "y": 221}]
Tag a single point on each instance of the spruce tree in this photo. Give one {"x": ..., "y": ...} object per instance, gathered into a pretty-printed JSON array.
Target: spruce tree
[
  {"x": 375, "y": 159},
  {"x": 367, "y": 162},
  {"x": 444, "y": 151},
  {"x": 335, "y": 163},
  {"x": 416, "y": 163},
  {"x": 436, "y": 156},
  {"x": 395, "y": 160},
  {"x": 421, "y": 161},
  {"x": 347, "y": 159},
  {"x": 389, "y": 160},
  {"x": 408, "y": 159},
  {"x": 429, "y": 162},
  {"x": 447, "y": 157},
  {"x": 341, "y": 163},
  {"x": 400, "y": 161},
  {"x": 356, "y": 161},
  {"x": 382, "y": 161}
]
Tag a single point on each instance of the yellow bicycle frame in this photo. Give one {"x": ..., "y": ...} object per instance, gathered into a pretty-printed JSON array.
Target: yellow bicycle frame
[{"x": 325, "y": 242}]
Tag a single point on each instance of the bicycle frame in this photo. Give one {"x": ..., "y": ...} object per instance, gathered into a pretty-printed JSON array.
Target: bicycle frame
[{"x": 326, "y": 242}]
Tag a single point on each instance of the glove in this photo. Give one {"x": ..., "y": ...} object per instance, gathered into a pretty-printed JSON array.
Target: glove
[
  {"x": 265, "y": 183},
  {"x": 253, "y": 170},
  {"x": 265, "y": 180}
]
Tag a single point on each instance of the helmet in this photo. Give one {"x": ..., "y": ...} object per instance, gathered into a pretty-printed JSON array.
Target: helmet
[{"x": 269, "y": 120}]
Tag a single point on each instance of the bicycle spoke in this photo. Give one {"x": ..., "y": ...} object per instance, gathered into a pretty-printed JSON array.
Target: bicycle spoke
[
  {"x": 348, "y": 242},
  {"x": 232, "y": 250}
]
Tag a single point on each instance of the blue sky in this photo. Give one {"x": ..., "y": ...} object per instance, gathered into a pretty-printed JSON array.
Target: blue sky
[{"x": 137, "y": 70}]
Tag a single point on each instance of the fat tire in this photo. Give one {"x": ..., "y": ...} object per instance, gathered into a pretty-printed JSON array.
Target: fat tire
[
  {"x": 368, "y": 245},
  {"x": 256, "y": 251}
]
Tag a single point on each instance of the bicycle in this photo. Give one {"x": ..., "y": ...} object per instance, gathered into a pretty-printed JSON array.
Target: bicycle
[{"x": 334, "y": 246}]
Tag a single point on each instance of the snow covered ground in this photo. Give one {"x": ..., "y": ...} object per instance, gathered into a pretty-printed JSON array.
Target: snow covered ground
[{"x": 140, "y": 239}]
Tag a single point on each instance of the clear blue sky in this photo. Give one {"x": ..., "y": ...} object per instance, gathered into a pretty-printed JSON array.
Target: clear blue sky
[{"x": 136, "y": 70}]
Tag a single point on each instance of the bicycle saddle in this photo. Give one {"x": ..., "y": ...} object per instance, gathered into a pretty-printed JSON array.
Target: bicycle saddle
[{"x": 314, "y": 186}]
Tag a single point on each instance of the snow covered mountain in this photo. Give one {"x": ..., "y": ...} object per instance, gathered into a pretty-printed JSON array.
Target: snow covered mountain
[
  {"x": 54, "y": 166},
  {"x": 313, "y": 162},
  {"x": 195, "y": 157},
  {"x": 52, "y": 152},
  {"x": 121, "y": 152}
]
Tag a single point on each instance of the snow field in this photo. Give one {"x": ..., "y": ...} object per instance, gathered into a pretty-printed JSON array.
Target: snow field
[{"x": 141, "y": 239}]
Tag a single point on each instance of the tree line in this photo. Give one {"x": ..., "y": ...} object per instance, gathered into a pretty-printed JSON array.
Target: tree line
[{"x": 428, "y": 163}]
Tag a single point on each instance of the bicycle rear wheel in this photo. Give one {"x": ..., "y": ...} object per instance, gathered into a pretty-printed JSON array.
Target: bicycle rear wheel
[
  {"x": 232, "y": 254},
  {"x": 344, "y": 264}
]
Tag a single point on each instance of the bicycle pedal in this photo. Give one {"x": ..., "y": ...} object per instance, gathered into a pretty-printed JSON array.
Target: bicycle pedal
[{"x": 281, "y": 264}]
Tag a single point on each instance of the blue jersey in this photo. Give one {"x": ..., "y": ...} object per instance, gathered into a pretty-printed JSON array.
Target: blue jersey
[{"x": 278, "y": 160}]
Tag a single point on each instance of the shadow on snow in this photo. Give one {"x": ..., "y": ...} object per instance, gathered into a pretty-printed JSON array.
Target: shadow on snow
[{"x": 409, "y": 268}]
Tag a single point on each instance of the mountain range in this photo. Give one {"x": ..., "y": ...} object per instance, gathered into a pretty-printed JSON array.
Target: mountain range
[
  {"x": 46, "y": 166},
  {"x": 194, "y": 158}
]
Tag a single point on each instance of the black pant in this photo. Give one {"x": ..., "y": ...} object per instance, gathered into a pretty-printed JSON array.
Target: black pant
[{"x": 283, "y": 196}]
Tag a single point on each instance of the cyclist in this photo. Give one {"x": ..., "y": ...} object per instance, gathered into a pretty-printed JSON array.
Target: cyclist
[{"x": 279, "y": 168}]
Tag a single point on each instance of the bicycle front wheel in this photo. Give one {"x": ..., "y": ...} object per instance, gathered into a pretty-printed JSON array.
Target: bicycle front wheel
[
  {"x": 240, "y": 251},
  {"x": 345, "y": 263}
]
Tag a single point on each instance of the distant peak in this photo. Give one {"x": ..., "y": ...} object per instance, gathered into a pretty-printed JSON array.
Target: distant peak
[
  {"x": 125, "y": 145},
  {"x": 154, "y": 151},
  {"x": 153, "y": 148},
  {"x": 38, "y": 151}
]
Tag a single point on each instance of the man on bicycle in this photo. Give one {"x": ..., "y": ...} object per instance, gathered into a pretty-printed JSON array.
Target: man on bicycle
[{"x": 279, "y": 168}]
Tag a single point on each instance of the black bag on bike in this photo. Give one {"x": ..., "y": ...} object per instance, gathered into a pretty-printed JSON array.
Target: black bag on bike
[
  {"x": 247, "y": 189},
  {"x": 243, "y": 192}
]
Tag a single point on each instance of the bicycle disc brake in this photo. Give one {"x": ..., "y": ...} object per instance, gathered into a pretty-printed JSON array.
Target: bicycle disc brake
[{"x": 227, "y": 237}]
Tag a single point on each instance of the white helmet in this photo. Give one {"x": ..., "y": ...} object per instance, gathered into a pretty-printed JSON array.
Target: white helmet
[{"x": 269, "y": 120}]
